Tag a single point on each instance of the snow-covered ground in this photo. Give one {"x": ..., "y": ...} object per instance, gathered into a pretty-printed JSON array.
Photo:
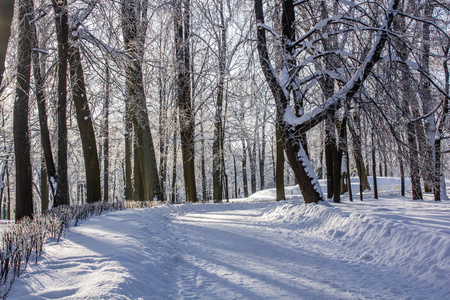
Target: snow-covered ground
[{"x": 392, "y": 248}]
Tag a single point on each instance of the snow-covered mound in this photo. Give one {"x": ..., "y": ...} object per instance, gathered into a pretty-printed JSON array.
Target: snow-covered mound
[{"x": 390, "y": 241}]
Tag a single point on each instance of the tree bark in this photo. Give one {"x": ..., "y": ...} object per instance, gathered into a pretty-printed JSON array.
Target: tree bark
[
  {"x": 129, "y": 195},
  {"x": 430, "y": 180},
  {"x": 106, "y": 137},
  {"x": 62, "y": 34},
  {"x": 50, "y": 169},
  {"x": 6, "y": 17},
  {"x": 24, "y": 176},
  {"x": 374, "y": 168},
  {"x": 43, "y": 186},
  {"x": 244, "y": 169},
  {"x": 408, "y": 96},
  {"x": 184, "y": 101},
  {"x": 134, "y": 31},
  {"x": 203, "y": 166},
  {"x": 218, "y": 142},
  {"x": 85, "y": 126},
  {"x": 279, "y": 172}
]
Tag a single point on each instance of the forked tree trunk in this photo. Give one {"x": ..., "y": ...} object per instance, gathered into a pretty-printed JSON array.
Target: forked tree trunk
[{"x": 292, "y": 133}]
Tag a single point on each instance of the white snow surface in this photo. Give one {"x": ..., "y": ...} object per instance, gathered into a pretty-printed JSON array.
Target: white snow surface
[{"x": 391, "y": 248}]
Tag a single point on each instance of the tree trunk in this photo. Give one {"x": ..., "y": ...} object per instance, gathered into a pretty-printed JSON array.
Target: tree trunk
[
  {"x": 139, "y": 194},
  {"x": 6, "y": 17},
  {"x": 330, "y": 149},
  {"x": 85, "y": 126},
  {"x": 252, "y": 158},
  {"x": 174, "y": 162},
  {"x": 184, "y": 101},
  {"x": 235, "y": 178},
  {"x": 408, "y": 96},
  {"x": 218, "y": 123},
  {"x": 244, "y": 168},
  {"x": 279, "y": 173},
  {"x": 429, "y": 171},
  {"x": 402, "y": 174},
  {"x": 24, "y": 176},
  {"x": 128, "y": 150},
  {"x": 106, "y": 137},
  {"x": 374, "y": 168},
  {"x": 356, "y": 132},
  {"x": 44, "y": 186},
  {"x": 439, "y": 179},
  {"x": 134, "y": 28},
  {"x": 203, "y": 166},
  {"x": 50, "y": 168},
  {"x": 62, "y": 34},
  {"x": 163, "y": 126},
  {"x": 262, "y": 154}
]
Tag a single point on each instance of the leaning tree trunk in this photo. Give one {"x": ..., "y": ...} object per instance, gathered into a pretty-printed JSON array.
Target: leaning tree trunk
[
  {"x": 85, "y": 126},
  {"x": 24, "y": 175}
]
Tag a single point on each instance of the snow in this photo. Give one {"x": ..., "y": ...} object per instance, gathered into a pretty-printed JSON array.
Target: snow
[{"x": 391, "y": 248}]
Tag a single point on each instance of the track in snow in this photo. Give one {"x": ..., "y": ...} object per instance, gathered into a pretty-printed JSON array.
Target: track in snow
[
  {"x": 235, "y": 255},
  {"x": 226, "y": 251}
]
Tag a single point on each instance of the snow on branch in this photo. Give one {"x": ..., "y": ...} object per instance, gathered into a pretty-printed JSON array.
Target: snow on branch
[{"x": 336, "y": 101}]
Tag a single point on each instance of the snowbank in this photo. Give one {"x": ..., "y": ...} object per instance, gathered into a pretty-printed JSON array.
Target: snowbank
[{"x": 394, "y": 243}]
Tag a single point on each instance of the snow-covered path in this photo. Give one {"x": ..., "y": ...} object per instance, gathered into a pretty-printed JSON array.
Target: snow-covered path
[
  {"x": 227, "y": 251},
  {"x": 235, "y": 255}
]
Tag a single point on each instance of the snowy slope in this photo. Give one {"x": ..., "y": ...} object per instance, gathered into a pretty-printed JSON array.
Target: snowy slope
[{"x": 390, "y": 248}]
